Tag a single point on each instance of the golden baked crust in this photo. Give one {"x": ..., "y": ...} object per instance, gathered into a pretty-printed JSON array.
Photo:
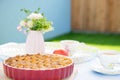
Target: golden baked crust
[{"x": 38, "y": 61}]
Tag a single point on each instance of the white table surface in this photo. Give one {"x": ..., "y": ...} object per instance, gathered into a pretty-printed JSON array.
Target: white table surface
[
  {"x": 86, "y": 73},
  {"x": 84, "y": 70}
]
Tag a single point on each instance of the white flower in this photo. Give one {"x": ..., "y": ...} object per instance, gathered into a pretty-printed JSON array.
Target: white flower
[
  {"x": 19, "y": 28},
  {"x": 35, "y": 16},
  {"x": 22, "y": 23},
  {"x": 30, "y": 24}
]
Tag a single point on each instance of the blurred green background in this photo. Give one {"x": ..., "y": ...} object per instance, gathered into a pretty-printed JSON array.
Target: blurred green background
[{"x": 101, "y": 41}]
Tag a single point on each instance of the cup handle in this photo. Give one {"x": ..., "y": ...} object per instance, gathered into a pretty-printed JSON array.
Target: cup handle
[{"x": 119, "y": 60}]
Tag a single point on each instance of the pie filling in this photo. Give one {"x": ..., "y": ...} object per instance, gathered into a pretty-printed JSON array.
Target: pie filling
[{"x": 38, "y": 61}]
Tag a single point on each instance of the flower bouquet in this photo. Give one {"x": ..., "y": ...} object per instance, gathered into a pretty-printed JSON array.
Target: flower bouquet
[{"x": 35, "y": 21}]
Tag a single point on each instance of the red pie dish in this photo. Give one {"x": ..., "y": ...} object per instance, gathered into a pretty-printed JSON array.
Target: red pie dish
[{"x": 38, "y": 67}]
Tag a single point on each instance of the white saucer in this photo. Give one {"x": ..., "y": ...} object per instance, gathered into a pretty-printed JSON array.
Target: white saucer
[{"x": 100, "y": 69}]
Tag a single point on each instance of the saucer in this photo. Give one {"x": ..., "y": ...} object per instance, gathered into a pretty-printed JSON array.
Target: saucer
[{"x": 100, "y": 69}]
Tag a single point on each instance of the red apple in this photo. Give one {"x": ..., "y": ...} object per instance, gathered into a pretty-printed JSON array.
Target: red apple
[{"x": 61, "y": 52}]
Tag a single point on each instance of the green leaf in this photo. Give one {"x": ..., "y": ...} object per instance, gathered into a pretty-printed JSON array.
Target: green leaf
[
  {"x": 26, "y": 11},
  {"x": 38, "y": 9}
]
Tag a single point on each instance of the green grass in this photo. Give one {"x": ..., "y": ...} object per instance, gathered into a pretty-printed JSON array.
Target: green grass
[{"x": 101, "y": 41}]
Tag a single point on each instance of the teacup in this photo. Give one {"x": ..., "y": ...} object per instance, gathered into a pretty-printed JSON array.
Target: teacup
[
  {"x": 109, "y": 58},
  {"x": 70, "y": 45}
]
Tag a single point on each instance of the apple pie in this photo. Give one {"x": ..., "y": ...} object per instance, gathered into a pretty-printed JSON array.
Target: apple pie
[{"x": 38, "y": 61}]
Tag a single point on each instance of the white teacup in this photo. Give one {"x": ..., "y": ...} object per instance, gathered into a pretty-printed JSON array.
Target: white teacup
[
  {"x": 70, "y": 45},
  {"x": 109, "y": 58}
]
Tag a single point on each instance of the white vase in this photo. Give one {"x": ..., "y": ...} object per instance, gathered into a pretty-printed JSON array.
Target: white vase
[{"x": 35, "y": 42}]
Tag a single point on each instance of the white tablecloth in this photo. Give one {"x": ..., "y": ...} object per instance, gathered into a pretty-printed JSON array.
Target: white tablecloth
[{"x": 84, "y": 52}]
